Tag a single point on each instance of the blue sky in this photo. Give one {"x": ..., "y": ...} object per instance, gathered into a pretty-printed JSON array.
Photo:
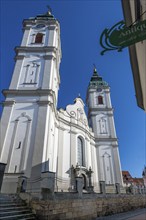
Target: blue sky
[{"x": 82, "y": 23}]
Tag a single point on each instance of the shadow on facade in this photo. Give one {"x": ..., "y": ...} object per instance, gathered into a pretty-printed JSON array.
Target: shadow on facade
[
  {"x": 47, "y": 185},
  {"x": 2, "y": 170}
]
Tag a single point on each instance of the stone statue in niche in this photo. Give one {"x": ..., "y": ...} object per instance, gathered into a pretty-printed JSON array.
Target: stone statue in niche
[
  {"x": 80, "y": 114},
  {"x": 103, "y": 126},
  {"x": 31, "y": 73}
]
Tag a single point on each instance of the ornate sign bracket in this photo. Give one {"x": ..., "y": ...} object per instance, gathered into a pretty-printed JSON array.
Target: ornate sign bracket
[{"x": 119, "y": 36}]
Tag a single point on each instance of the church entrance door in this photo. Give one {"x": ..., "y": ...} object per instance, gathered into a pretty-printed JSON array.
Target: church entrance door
[{"x": 84, "y": 181}]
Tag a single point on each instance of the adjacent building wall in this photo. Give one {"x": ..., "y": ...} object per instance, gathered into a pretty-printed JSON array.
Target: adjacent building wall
[{"x": 135, "y": 11}]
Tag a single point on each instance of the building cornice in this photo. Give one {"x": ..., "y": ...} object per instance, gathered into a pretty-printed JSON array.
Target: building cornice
[
  {"x": 76, "y": 126},
  {"x": 93, "y": 111},
  {"x": 114, "y": 144},
  {"x": 8, "y": 103},
  {"x": 103, "y": 139},
  {"x": 36, "y": 49},
  {"x": 37, "y": 92},
  {"x": 41, "y": 102},
  {"x": 34, "y": 21},
  {"x": 49, "y": 53}
]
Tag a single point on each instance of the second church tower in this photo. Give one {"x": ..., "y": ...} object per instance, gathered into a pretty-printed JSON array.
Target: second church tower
[{"x": 101, "y": 119}]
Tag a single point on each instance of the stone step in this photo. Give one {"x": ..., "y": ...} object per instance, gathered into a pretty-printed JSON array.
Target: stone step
[
  {"x": 8, "y": 195},
  {"x": 11, "y": 203},
  {"x": 5, "y": 201},
  {"x": 28, "y": 218},
  {"x": 8, "y": 198},
  {"x": 12, "y": 208},
  {"x": 4, "y": 195},
  {"x": 14, "y": 212},
  {"x": 5, "y": 198},
  {"x": 20, "y": 216}
]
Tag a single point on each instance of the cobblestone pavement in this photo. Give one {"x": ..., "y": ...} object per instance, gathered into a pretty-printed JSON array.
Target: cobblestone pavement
[{"x": 139, "y": 214}]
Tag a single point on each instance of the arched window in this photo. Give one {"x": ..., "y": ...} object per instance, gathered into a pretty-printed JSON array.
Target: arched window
[
  {"x": 80, "y": 152},
  {"x": 39, "y": 38},
  {"x": 100, "y": 100}
]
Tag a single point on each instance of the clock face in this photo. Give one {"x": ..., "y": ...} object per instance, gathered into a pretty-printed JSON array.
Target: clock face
[
  {"x": 99, "y": 90},
  {"x": 40, "y": 26}
]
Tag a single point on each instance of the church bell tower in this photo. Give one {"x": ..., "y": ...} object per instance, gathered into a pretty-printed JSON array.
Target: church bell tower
[
  {"x": 101, "y": 119},
  {"x": 30, "y": 106}
]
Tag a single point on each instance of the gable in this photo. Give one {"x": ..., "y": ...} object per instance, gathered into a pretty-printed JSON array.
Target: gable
[{"x": 77, "y": 111}]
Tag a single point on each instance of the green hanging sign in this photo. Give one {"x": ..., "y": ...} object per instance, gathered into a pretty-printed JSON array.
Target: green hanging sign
[{"x": 120, "y": 36}]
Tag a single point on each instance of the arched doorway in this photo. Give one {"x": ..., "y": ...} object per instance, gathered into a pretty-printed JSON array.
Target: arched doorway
[{"x": 84, "y": 181}]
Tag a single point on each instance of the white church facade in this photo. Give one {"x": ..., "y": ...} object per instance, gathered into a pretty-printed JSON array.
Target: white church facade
[{"x": 45, "y": 148}]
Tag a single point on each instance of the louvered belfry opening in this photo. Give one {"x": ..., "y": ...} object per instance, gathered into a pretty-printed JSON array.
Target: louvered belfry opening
[{"x": 39, "y": 38}]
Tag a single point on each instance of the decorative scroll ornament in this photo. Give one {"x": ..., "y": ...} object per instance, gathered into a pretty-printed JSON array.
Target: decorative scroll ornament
[
  {"x": 73, "y": 114},
  {"x": 120, "y": 36}
]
